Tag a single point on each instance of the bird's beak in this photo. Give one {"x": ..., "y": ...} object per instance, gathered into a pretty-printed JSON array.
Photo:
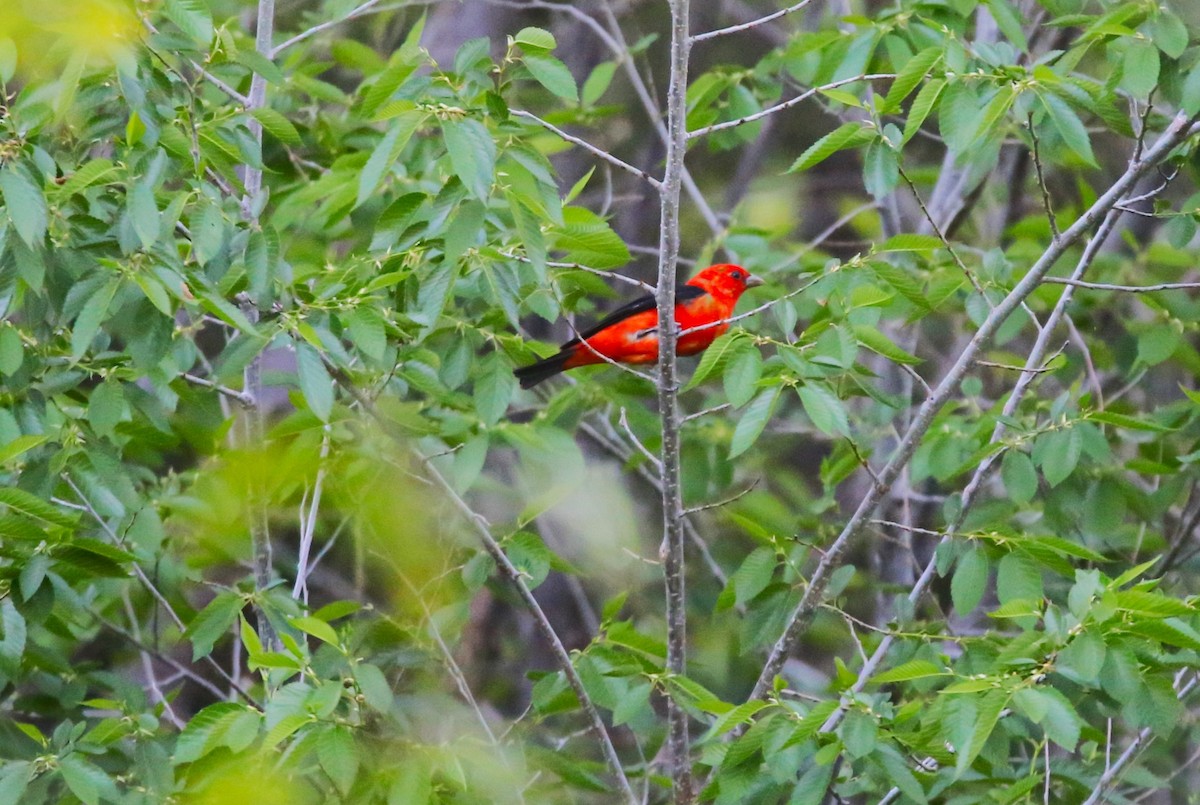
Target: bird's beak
[{"x": 753, "y": 281}]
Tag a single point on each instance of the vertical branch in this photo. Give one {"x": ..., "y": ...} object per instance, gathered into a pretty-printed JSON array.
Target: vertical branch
[
  {"x": 668, "y": 402},
  {"x": 253, "y": 430}
]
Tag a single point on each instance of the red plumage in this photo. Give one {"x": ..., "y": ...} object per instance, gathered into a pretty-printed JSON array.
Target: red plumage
[{"x": 630, "y": 334}]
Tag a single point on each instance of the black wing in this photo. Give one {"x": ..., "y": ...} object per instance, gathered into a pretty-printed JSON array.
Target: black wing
[{"x": 683, "y": 293}]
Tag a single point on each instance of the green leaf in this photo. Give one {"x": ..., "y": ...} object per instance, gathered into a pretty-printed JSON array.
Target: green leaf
[
  {"x": 277, "y": 125},
  {"x": 553, "y": 75},
  {"x": 12, "y": 351},
  {"x": 208, "y": 234},
  {"x": 8, "y": 59},
  {"x": 921, "y": 106},
  {"x": 1057, "y": 453},
  {"x": 193, "y": 18},
  {"x": 1018, "y": 577},
  {"x": 716, "y": 357},
  {"x": 21, "y": 445},
  {"x": 1009, "y": 21},
  {"x": 472, "y": 154},
  {"x": 1190, "y": 93},
  {"x": 25, "y": 204},
  {"x": 338, "y": 756},
  {"x": 860, "y": 733},
  {"x": 906, "y": 672},
  {"x": 210, "y": 623},
  {"x": 824, "y": 409},
  {"x": 1019, "y": 476},
  {"x": 317, "y": 628},
  {"x": 494, "y": 389},
  {"x": 848, "y": 135},
  {"x": 86, "y": 176},
  {"x": 970, "y": 580},
  {"x": 315, "y": 382},
  {"x": 913, "y": 72},
  {"x": 143, "y": 213},
  {"x": 535, "y": 40},
  {"x": 741, "y": 376},
  {"x": 877, "y": 342},
  {"x": 596, "y": 85},
  {"x": 106, "y": 407},
  {"x": 18, "y": 500},
  {"x": 1141, "y": 66},
  {"x": 587, "y": 239},
  {"x": 1151, "y": 605},
  {"x": 385, "y": 153},
  {"x": 881, "y": 169},
  {"x": 94, "y": 312},
  {"x": 385, "y": 85},
  {"x": 85, "y": 779},
  {"x": 1069, "y": 126},
  {"x": 753, "y": 420}
]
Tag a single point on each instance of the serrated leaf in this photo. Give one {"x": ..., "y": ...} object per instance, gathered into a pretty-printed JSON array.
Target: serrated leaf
[
  {"x": 535, "y": 39},
  {"x": 921, "y": 106},
  {"x": 877, "y": 342},
  {"x": 1019, "y": 476},
  {"x": 210, "y": 623},
  {"x": 913, "y": 72},
  {"x": 716, "y": 356},
  {"x": 472, "y": 154},
  {"x": 1069, "y": 126},
  {"x": 25, "y": 204},
  {"x": 385, "y": 153},
  {"x": 86, "y": 176},
  {"x": 741, "y": 376},
  {"x": 753, "y": 420},
  {"x": 193, "y": 18},
  {"x": 906, "y": 672},
  {"x": 317, "y": 628},
  {"x": 315, "y": 382},
  {"x": 824, "y": 409},
  {"x": 277, "y": 125},
  {"x": 848, "y": 135},
  {"x": 95, "y": 310},
  {"x": 970, "y": 580},
  {"x": 553, "y": 75}
]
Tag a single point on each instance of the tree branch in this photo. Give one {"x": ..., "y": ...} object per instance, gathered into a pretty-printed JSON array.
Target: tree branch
[
  {"x": 678, "y": 749},
  {"x": 585, "y": 145},
  {"x": 746, "y": 26},
  {"x": 798, "y": 620}
]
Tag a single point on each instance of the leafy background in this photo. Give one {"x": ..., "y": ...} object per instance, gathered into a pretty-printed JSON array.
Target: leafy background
[{"x": 276, "y": 518}]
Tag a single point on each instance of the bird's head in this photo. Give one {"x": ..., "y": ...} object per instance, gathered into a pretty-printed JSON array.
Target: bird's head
[{"x": 725, "y": 281}]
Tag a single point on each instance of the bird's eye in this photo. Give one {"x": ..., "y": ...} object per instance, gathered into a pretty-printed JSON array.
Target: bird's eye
[{"x": 737, "y": 275}]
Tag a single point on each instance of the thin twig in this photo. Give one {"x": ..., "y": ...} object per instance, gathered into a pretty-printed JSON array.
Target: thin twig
[
  {"x": 784, "y": 105},
  {"x": 309, "y": 523},
  {"x": 242, "y": 398},
  {"x": 636, "y": 442},
  {"x": 324, "y": 26},
  {"x": 746, "y": 26},
  {"x": 937, "y": 230},
  {"x": 722, "y": 503},
  {"x": 1041, "y": 180},
  {"x": 1104, "y": 286},
  {"x": 591, "y": 149}
]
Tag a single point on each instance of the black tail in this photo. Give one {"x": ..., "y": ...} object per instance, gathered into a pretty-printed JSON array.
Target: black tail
[{"x": 535, "y": 373}]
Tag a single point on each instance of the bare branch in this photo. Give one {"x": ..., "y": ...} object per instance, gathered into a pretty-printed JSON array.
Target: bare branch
[
  {"x": 1104, "y": 286},
  {"x": 1041, "y": 180},
  {"x": 358, "y": 11},
  {"x": 746, "y": 26},
  {"x": 591, "y": 149},
  {"x": 636, "y": 442}
]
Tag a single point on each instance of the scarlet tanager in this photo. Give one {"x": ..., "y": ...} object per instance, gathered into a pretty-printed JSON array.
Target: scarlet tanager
[{"x": 630, "y": 333}]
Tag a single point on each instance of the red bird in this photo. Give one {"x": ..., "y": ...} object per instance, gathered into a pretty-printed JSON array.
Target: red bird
[{"x": 630, "y": 333}]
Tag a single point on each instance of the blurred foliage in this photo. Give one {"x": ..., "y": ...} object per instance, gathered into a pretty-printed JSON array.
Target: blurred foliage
[{"x": 412, "y": 236}]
